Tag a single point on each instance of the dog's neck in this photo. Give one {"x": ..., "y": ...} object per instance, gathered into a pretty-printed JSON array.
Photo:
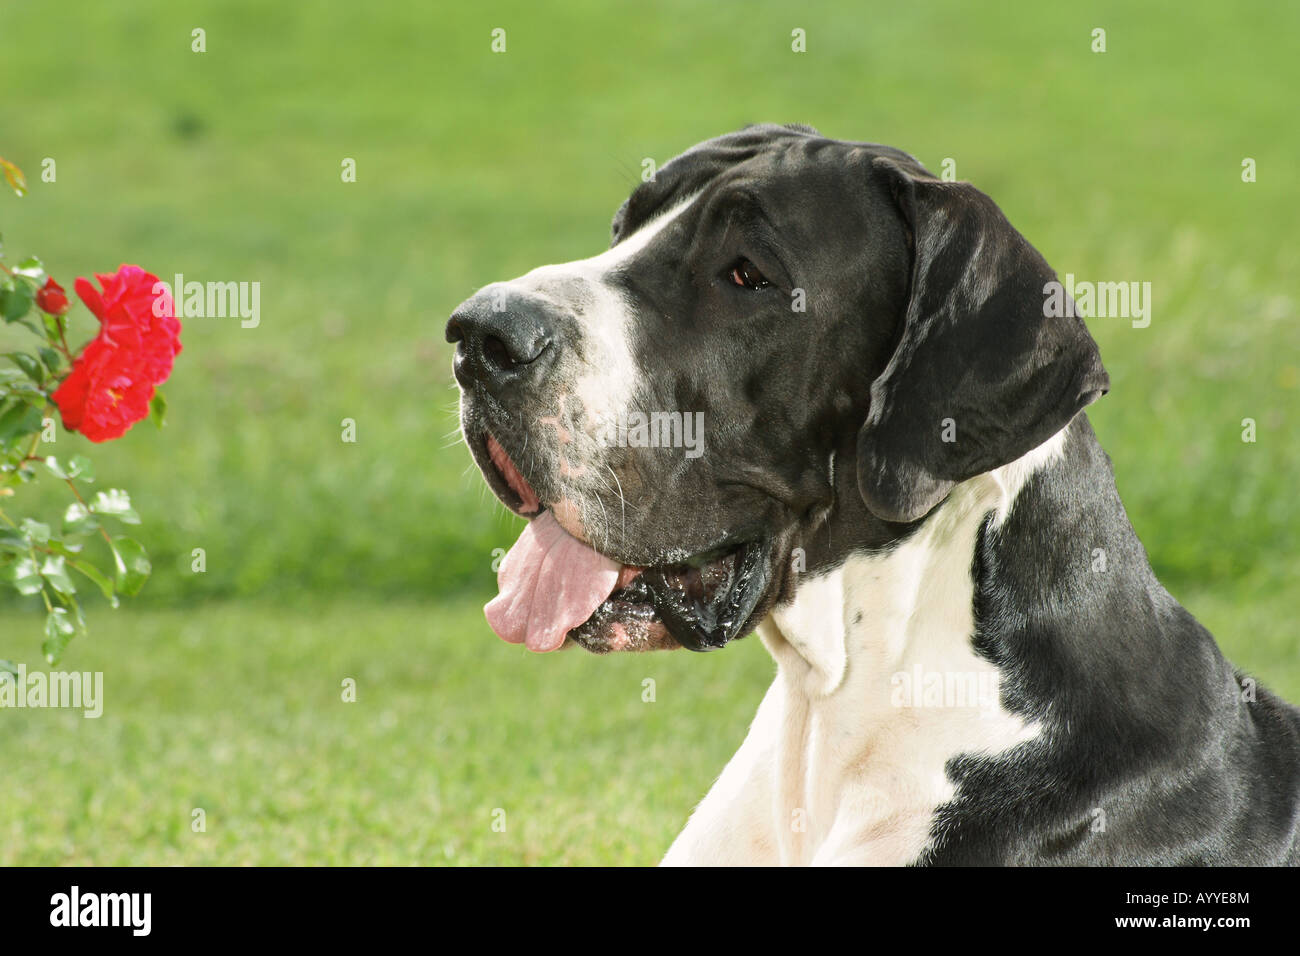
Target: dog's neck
[
  {"x": 881, "y": 684},
  {"x": 876, "y": 610}
]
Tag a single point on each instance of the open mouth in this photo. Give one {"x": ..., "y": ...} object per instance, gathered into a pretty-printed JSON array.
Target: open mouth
[
  {"x": 702, "y": 603},
  {"x": 554, "y": 587}
]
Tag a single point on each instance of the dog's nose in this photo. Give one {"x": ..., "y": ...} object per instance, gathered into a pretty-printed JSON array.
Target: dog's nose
[{"x": 503, "y": 337}]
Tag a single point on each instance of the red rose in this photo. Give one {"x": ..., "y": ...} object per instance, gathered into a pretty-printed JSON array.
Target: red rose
[
  {"x": 112, "y": 380},
  {"x": 50, "y": 298}
]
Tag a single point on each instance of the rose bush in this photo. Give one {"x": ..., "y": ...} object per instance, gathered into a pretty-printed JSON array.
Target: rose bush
[{"x": 100, "y": 391}]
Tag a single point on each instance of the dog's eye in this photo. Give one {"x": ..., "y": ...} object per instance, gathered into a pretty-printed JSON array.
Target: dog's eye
[{"x": 745, "y": 273}]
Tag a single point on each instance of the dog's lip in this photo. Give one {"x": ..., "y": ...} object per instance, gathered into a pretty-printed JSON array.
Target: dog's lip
[
  {"x": 512, "y": 476},
  {"x": 677, "y": 597},
  {"x": 493, "y": 455}
]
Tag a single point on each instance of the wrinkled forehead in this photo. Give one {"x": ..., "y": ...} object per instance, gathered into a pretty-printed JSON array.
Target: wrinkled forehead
[{"x": 784, "y": 166}]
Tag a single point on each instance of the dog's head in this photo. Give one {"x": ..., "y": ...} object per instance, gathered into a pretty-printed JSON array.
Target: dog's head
[{"x": 794, "y": 346}]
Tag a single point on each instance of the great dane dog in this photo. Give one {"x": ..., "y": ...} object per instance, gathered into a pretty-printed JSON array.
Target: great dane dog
[{"x": 811, "y": 390}]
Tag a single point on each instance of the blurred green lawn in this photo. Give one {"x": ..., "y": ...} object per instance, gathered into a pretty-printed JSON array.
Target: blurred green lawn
[
  {"x": 327, "y": 560},
  {"x": 238, "y": 711}
]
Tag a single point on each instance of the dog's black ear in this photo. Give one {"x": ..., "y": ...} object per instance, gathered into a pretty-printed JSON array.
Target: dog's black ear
[{"x": 979, "y": 376}]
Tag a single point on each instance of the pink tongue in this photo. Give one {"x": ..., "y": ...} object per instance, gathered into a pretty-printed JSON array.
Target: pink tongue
[{"x": 550, "y": 582}]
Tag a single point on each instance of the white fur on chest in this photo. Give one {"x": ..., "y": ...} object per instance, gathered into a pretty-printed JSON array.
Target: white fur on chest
[{"x": 878, "y": 687}]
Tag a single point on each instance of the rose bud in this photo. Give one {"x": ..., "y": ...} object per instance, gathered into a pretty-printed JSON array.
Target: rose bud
[{"x": 51, "y": 298}]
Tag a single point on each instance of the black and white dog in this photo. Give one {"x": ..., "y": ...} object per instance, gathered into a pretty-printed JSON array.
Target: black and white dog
[{"x": 810, "y": 390}]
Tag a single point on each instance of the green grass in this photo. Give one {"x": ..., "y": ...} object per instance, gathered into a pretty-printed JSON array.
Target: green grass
[
  {"x": 238, "y": 710},
  {"x": 324, "y": 556}
]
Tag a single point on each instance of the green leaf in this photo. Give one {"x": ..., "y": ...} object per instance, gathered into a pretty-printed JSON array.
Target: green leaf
[
  {"x": 133, "y": 567},
  {"x": 13, "y": 176},
  {"x": 13, "y": 542},
  {"x": 59, "y": 546},
  {"x": 114, "y": 503},
  {"x": 82, "y": 468},
  {"x": 158, "y": 409},
  {"x": 79, "y": 466},
  {"x": 51, "y": 359},
  {"x": 54, "y": 570},
  {"x": 19, "y": 419},
  {"x": 31, "y": 267},
  {"x": 35, "y": 530},
  {"x": 16, "y": 302},
  {"x": 98, "y": 577},
  {"x": 23, "y": 575},
  {"x": 77, "y": 520},
  {"x": 30, "y": 366},
  {"x": 59, "y": 630},
  {"x": 7, "y": 667},
  {"x": 54, "y": 327},
  {"x": 31, "y": 393}
]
